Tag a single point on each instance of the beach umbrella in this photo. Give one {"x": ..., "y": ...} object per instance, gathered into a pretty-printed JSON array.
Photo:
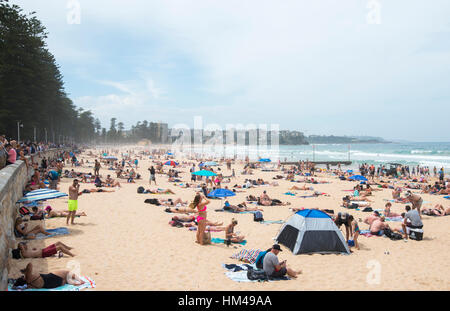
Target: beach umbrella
[
  {"x": 171, "y": 163},
  {"x": 210, "y": 163},
  {"x": 42, "y": 195},
  {"x": 221, "y": 193},
  {"x": 265, "y": 160},
  {"x": 204, "y": 173},
  {"x": 357, "y": 177}
]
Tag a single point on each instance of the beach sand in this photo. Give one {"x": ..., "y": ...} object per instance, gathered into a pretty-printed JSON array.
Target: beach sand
[{"x": 126, "y": 244}]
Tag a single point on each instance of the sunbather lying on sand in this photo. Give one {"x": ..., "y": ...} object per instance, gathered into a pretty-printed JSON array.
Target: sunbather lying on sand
[
  {"x": 180, "y": 210},
  {"x": 353, "y": 198},
  {"x": 301, "y": 188},
  {"x": 49, "y": 281},
  {"x": 24, "y": 251},
  {"x": 52, "y": 213},
  {"x": 241, "y": 207},
  {"x": 95, "y": 190},
  {"x": 159, "y": 191},
  {"x": 265, "y": 200},
  {"x": 438, "y": 210}
]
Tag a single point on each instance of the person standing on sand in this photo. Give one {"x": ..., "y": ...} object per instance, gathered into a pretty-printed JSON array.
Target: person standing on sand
[
  {"x": 200, "y": 203},
  {"x": 152, "y": 175},
  {"x": 97, "y": 167},
  {"x": 73, "y": 201},
  {"x": 415, "y": 200}
]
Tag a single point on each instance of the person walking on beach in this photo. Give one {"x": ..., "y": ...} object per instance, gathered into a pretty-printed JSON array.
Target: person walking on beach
[
  {"x": 73, "y": 201},
  {"x": 274, "y": 268},
  {"x": 200, "y": 203},
  {"x": 152, "y": 175}
]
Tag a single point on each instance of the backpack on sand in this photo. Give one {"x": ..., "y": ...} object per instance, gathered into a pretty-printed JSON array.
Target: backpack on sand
[{"x": 258, "y": 216}]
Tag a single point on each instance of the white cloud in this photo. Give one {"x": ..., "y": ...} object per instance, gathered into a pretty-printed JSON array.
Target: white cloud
[{"x": 295, "y": 61}]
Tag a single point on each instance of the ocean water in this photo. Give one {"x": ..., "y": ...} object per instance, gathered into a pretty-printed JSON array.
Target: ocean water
[{"x": 424, "y": 154}]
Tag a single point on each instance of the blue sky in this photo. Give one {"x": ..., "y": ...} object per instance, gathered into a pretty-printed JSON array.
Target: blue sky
[{"x": 315, "y": 66}]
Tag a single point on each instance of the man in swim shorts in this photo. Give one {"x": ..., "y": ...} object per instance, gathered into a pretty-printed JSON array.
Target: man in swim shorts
[
  {"x": 73, "y": 201},
  {"x": 23, "y": 251}
]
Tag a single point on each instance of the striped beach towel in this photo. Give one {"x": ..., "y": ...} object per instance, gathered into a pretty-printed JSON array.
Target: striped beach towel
[
  {"x": 247, "y": 255},
  {"x": 88, "y": 283}
]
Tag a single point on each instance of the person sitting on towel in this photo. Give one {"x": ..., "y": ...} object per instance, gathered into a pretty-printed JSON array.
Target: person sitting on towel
[
  {"x": 377, "y": 226},
  {"x": 230, "y": 235},
  {"x": 274, "y": 268},
  {"x": 28, "y": 233},
  {"x": 370, "y": 219}
]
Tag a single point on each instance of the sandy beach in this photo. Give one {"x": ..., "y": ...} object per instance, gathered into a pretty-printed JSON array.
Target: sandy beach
[{"x": 126, "y": 244}]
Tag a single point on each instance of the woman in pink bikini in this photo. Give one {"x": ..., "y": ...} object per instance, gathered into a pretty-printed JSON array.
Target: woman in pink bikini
[{"x": 200, "y": 203}]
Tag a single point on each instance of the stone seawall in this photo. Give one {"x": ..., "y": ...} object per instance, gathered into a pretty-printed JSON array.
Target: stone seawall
[{"x": 13, "y": 179}]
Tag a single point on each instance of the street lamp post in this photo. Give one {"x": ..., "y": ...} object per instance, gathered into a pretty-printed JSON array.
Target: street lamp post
[
  {"x": 19, "y": 125},
  {"x": 45, "y": 135}
]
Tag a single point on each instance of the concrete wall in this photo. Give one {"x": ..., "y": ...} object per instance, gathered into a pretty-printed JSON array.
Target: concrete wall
[{"x": 13, "y": 179}]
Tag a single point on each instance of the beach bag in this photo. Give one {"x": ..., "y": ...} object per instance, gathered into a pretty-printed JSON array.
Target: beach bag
[
  {"x": 257, "y": 275},
  {"x": 368, "y": 209},
  {"x": 24, "y": 211},
  {"x": 392, "y": 235},
  {"x": 140, "y": 189},
  {"x": 152, "y": 201},
  {"x": 416, "y": 234},
  {"x": 258, "y": 216}
]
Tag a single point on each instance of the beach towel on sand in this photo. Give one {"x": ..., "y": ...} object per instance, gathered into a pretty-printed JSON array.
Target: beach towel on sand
[
  {"x": 231, "y": 211},
  {"x": 289, "y": 193},
  {"x": 447, "y": 197},
  {"x": 238, "y": 273},
  {"x": 88, "y": 283},
  {"x": 398, "y": 218},
  {"x": 54, "y": 232},
  {"x": 268, "y": 222},
  {"x": 222, "y": 241},
  {"x": 247, "y": 255}
]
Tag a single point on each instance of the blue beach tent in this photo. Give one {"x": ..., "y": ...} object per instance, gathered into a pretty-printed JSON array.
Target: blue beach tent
[{"x": 312, "y": 231}]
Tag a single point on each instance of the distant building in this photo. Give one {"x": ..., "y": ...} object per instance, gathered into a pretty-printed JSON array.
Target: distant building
[{"x": 159, "y": 132}]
